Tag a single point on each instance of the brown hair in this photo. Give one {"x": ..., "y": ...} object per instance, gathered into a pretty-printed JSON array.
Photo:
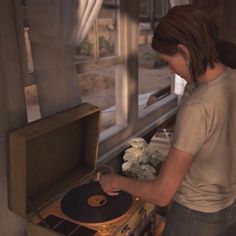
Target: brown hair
[{"x": 193, "y": 28}]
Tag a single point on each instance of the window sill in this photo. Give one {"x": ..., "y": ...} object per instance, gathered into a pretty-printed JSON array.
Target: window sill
[{"x": 110, "y": 145}]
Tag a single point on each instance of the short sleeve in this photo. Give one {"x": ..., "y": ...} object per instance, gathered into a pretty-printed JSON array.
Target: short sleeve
[{"x": 189, "y": 133}]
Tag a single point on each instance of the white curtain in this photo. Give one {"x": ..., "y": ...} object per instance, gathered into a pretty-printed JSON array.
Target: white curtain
[
  {"x": 86, "y": 14},
  {"x": 61, "y": 22},
  {"x": 56, "y": 27}
]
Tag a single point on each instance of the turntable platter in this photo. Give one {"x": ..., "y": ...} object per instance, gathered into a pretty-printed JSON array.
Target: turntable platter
[{"x": 89, "y": 204}]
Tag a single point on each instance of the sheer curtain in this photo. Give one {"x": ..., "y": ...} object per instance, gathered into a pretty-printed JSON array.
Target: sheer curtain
[
  {"x": 56, "y": 27},
  {"x": 85, "y": 16}
]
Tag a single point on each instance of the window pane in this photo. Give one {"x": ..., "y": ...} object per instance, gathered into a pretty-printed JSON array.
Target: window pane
[
  {"x": 98, "y": 87},
  {"x": 143, "y": 8},
  {"x": 85, "y": 51},
  {"x": 107, "y": 31},
  {"x": 28, "y": 50},
  {"x": 159, "y": 8},
  {"x": 154, "y": 75}
]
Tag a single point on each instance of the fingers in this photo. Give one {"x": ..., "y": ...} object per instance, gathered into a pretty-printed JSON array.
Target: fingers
[
  {"x": 106, "y": 182},
  {"x": 102, "y": 170},
  {"x": 97, "y": 177},
  {"x": 113, "y": 193}
]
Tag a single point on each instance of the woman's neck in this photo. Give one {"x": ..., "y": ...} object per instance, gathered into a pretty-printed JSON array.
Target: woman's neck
[{"x": 212, "y": 73}]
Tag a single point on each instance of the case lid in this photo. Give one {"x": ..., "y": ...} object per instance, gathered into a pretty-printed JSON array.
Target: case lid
[{"x": 50, "y": 155}]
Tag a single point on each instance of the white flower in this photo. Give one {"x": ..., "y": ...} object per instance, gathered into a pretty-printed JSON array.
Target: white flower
[
  {"x": 155, "y": 153},
  {"x": 141, "y": 160},
  {"x": 132, "y": 154},
  {"x": 131, "y": 168},
  {"x": 147, "y": 173},
  {"x": 148, "y": 168},
  {"x": 138, "y": 143},
  {"x": 126, "y": 166}
]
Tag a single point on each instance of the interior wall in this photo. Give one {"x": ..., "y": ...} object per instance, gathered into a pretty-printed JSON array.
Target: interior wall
[
  {"x": 223, "y": 12},
  {"x": 50, "y": 24},
  {"x": 229, "y": 19},
  {"x": 213, "y": 8},
  {"x": 12, "y": 109}
]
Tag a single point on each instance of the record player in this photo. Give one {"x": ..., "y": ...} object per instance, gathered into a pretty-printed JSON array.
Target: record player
[{"x": 51, "y": 179}]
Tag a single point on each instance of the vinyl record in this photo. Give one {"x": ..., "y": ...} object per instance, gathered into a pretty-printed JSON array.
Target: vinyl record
[{"x": 89, "y": 204}]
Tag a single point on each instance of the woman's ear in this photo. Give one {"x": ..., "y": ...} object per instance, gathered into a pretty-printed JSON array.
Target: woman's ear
[{"x": 183, "y": 51}]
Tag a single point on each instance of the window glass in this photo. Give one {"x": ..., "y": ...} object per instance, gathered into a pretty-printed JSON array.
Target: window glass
[
  {"x": 154, "y": 74},
  {"x": 143, "y": 8},
  {"x": 102, "y": 39},
  {"x": 86, "y": 50},
  {"x": 159, "y": 8},
  {"x": 98, "y": 87},
  {"x": 107, "y": 32},
  {"x": 32, "y": 103}
]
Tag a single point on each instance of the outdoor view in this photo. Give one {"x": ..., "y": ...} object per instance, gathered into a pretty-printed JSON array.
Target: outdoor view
[
  {"x": 154, "y": 75},
  {"x": 98, "y": 84}
]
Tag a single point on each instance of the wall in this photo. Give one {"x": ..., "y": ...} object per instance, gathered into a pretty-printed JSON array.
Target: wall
[{"x": 12, "y": 108}]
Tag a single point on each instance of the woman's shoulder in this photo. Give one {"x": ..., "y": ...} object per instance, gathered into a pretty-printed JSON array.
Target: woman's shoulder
[{"x": 231, "y": 72}]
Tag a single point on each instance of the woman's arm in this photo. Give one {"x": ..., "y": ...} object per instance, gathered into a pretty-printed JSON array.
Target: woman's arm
[{"x": 159, "y": 191}]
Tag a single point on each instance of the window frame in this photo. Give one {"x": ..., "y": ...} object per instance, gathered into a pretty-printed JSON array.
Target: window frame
[
  {"x": 129, "y": 122},
  {"x": 151, "y": 17},
  {"x": 97, "y": 62}
]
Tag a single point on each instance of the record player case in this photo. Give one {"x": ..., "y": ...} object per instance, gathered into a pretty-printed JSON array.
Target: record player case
[{"x": 48, "y": 158}]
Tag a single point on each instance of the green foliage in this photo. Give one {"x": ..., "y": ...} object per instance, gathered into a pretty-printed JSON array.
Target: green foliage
[
  {"x": 85, "y": 48},
  {"x": 150, "y": 56},
  {"x": 106, "y": 46}
]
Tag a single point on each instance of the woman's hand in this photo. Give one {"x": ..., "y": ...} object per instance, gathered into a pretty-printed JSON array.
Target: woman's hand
[{"x": 108, "y": 184}]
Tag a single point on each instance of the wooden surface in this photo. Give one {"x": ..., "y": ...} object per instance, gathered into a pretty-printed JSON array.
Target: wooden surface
[
  {"x": 50, "y": 155},
  {"x": 36, "y": 230},
  {"x": 114, "y": 227},
  {"x": 12, "y": 108}
]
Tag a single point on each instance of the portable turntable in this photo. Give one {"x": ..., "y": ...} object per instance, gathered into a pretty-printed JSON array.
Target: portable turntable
[{"x": 51, "y": 167}]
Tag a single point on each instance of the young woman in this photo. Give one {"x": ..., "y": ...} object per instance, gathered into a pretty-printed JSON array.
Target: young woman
[{"x": 199, "y": 174}]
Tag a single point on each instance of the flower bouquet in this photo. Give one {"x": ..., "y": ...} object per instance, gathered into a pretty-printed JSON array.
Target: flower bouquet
[{"x": 141, "y": 161}]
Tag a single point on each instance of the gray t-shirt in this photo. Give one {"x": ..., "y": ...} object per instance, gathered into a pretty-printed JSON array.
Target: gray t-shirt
[{"x": 206, "y": 128}]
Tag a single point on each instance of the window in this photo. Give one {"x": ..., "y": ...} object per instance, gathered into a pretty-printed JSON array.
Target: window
[
  {"x": 30, "y": 89},
  {"x": 154, "y": 75},
  {"x": 118, "y": 71},
  {"x": 102, "y": 40},
  {"x": 144, "y": 8},
  {"x": 152, "y": 10},
  {"x": 98, "y": 87},
  {"x": 100, "y": 64}
]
